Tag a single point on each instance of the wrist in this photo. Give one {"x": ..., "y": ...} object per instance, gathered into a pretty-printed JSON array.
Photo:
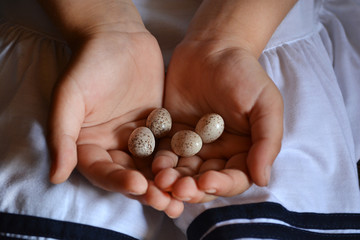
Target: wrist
[
  {"x": 218, "y": 33},
  {"x": 243, "y": 23},
  {"x": 80, "y": 20},
  {"x": 105, "y": 29},
  {"x": 212, "y": 41}
]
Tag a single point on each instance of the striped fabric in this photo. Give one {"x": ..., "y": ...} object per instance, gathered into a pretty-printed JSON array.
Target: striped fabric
[{"x": 269, "y": 220}]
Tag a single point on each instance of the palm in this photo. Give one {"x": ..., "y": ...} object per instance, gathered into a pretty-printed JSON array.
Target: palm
[
  {"x": 108, "y": 89},
  {"x": 131, "y": 86},
  {"x": 233, "y": 85}
]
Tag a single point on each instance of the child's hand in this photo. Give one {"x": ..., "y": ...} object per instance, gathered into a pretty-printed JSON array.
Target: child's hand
[
  {"x": 206, "y": 77},
  {"x": 114, "y": 79},
  {"x": 111, "y": 84}
]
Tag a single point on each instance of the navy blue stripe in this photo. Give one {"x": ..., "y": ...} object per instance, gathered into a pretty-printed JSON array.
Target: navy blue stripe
[
  {"x": 43, "y": 227},
  {"x": 210, "y": 217},
  {"x": 271, "y": 231}
]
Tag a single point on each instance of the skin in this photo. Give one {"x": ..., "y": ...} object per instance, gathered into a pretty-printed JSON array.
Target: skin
[
  {"x": 113, "y": 81},
  {"x": 116, "y": 77},
  {"x": 222, "y": 46}
]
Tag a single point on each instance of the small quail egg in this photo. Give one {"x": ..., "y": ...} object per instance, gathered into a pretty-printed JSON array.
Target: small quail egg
[
  {"x": 210, "y": 127},
  {"x": 159, "y": 122},
  {"x": 186, "y": 143},
  {"x": 141, "y": 142}
]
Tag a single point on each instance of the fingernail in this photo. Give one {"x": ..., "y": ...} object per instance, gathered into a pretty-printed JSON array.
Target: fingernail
[
  {"x": 135, "y": 193},
  {"x": 172, "y": 216},
  {"x": 184, "y": 199},
  {"x": 267, "y": 174},
  {"x": 210, "y": 191}
]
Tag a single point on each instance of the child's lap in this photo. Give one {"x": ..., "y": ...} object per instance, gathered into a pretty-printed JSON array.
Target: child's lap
[{"x": 314, "y": 172}]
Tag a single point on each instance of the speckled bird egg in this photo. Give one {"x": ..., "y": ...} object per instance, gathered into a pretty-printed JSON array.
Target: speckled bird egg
[
  {"x": 141, "y": 142},
  {"x": 159, "y": 122},
  {"x": 186, "y": 143},
  {"x": 210, "y": 127}
]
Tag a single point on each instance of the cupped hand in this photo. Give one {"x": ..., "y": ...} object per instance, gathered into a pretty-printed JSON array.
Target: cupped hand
[
  {"x": 206, "y": 77},
  {"x": 112, "y": 82}
]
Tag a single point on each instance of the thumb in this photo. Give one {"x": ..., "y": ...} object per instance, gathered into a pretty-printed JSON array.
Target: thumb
[
  {"x": 266, "y": 121},
  {"x": 66, "y": 117}
]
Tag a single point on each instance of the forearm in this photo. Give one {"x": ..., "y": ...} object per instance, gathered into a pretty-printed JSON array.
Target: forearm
[
  {"x": 80, "y": 18},
  {"x": 245, "y": 23}
]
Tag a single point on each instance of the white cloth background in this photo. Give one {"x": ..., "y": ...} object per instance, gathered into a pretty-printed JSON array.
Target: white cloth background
[{"x": 314, "y": 59}]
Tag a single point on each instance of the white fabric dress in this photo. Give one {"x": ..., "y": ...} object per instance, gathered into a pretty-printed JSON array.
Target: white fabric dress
[{"x": 313, "y": 58}]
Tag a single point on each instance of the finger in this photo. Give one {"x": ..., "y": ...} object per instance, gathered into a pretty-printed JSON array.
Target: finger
[
  {"x": 164, "y": 157},
  {"x": 97, "y": 165},
  {"x": 226, "y": 146},
  {"x": 185, "y": 167},
  {"x": 175, "y": 208},
  {"x": 232, "y": 180},
  {"x": 212, "y": 164},
  {"x": 186, "y": 189},
  {"x": 112, "y": 135},
  {"x": 161, "y": 201},
  {"x": 166, "y": 178},
  {"x": 266, "y": 122},
  {"x": 121, "y": 158},
  {"x": 156, "y": 198},
  {"x": 65, "y": 122},
  {"x": 189, "y": 166}
]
